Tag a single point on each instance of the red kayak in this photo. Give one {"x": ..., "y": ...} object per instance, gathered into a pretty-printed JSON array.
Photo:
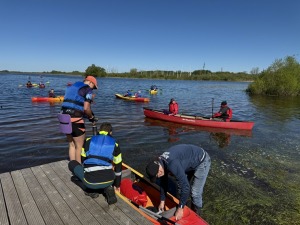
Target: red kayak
[
  {"x": 198, "y": 120},
  {"x": 137, "y": 99}
]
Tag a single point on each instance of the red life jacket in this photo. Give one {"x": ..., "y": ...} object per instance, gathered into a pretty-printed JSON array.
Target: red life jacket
[
  {"x": 133, "y": 192},
  {"x": 173, "y": 108},
  {"x": 229, "y": 113}
]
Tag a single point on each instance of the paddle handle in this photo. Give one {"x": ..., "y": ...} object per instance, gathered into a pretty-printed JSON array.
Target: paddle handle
[{"x": 94, "y": 129}]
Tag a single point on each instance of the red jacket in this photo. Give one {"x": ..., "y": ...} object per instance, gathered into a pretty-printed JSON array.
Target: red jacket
[
  {"x": 173, "y": 108},
  {"x": 225, "y": 113}
]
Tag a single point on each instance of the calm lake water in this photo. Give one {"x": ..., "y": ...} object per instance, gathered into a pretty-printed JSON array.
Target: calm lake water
[{"x": 254, "y": 177}]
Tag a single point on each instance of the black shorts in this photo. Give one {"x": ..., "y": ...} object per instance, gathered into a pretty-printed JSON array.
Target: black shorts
[{"x": 78, "y": 127}]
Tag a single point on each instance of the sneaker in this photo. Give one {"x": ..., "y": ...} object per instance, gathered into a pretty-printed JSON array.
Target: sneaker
[
  {"x": 196, "y": 209},
  {"x": 110, "y": 195},
  {"x": 92, "y": 194},
  {"x": 74, "y": 179}
]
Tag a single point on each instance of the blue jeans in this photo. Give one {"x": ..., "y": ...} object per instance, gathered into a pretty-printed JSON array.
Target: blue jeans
[{"x": 199, "y": 180}]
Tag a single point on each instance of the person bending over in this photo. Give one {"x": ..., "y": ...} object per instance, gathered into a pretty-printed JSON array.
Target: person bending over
[{"x": 188, "y": 164}]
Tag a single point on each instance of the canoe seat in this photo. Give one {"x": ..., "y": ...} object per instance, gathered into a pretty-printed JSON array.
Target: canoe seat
[{"x": 126, "y": 174}]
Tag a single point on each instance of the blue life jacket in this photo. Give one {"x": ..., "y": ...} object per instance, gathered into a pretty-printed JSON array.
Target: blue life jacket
[
  {"x": 100, "y": 150},
  {"x": 72, "y": 99}
]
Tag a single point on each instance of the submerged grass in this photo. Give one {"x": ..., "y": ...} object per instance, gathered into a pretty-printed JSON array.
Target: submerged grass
[{"x": 260, "y": 189}]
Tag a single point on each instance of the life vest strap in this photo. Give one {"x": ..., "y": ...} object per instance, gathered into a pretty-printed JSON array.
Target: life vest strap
[{"x": 96, "y": 168}]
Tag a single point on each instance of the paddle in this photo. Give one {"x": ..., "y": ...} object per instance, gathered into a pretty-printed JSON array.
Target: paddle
[
  {"x": 149, "y": 212},
  {"x": 212, "y": 107}
]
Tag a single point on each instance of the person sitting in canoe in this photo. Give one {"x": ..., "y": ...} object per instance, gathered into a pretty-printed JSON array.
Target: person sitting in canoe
[
  {"x": 224, "y": 114},
  {"x": 138, "y": 94},
  {"x": 102, "y": 165},
  {"x": 51, "y": 94},
  {"x": 29, "y": 84},
  {"x": 128, "y": 94},
  {"x": 173, "y": 108}
]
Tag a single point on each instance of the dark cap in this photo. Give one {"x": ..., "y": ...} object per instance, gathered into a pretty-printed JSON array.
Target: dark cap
[
  {"x": 152, "y": 170},
  {"x": 224, "y": 103}
]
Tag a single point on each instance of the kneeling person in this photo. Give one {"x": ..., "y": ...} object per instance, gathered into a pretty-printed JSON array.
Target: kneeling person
[{"x": 101, "y": 154}]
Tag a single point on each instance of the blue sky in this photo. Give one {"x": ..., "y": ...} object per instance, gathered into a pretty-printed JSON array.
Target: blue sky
[{"x": 118, "y": 35}]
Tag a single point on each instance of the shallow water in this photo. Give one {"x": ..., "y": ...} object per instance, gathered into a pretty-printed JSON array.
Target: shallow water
[{"x": 251, "y": 174}]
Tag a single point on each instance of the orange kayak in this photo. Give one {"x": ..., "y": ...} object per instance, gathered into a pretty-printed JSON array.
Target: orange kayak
[{"x": 47, "y": 99}]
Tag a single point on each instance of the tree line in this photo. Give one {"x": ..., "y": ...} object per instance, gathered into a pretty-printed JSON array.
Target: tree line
[{"x": 282, "y": 78}]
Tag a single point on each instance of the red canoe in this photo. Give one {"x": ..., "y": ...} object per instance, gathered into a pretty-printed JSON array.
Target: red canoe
[
  {"x": 137, "y": 99},
  {"x": 149, "y": 198},
  {"x": 197, "y": 120}
]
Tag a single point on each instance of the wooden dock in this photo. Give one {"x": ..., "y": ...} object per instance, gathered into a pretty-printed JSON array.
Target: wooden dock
[{"x": 46, "y": 195}]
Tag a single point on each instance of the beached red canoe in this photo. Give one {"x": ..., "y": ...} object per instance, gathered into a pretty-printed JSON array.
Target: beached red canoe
[
  {"x": 198, "y": 120},
  {"x": 137, "y": 99},
  {"x": 132, "y": 185}
]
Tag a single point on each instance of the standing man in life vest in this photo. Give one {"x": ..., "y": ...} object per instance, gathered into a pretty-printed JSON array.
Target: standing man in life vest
[
  {"x": 77, "y": 103},
  {"x": 225, "y": 113},
  {"x": 101, "y": 154}
]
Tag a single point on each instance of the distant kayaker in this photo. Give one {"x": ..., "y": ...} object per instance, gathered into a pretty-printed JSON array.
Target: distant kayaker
[
  {"x": 173, "y": 108},
  {"x": 102, "y": 165},
  {"x": 29, "y": 84},
  {"x": 41, "y": 85},
  {"x": 51, "y": 94},
  {"x": 190, "y": 165},
  {"x": 128, "y": 94},
  {"x": 138, "y": 94},
  {"x": 77, "y": 103},
  {"x": 224, "y": 114},
  {"x": 153, "y": 87}
]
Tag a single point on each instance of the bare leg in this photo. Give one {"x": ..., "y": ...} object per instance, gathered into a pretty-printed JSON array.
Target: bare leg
[
  {"x": 78, "y": 141},
  {"x": 71, "y": 147}
]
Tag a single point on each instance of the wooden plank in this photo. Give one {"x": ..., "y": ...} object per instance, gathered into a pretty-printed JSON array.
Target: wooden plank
[
  {"x": 120, "y": 211},
  {"x": 101, "y": 216},
  {"x": 3, "y": 211},
  {"x": 84, "y": 216},
  {"x": 15, "y": 212},
  {"x": 47, "y": 210},
  {"x": 61, "y": 207},
  {"x": 30, "y": 208},
  {"x": 134, "y": 215}
]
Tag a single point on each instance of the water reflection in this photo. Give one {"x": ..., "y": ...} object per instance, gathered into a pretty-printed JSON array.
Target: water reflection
[
  {"x": 278, "y": 108},
  {"x": 220, "y": 136}
]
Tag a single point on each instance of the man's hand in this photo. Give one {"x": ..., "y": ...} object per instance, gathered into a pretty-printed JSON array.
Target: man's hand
[
  {"x": 161, "y": 206},
  {"x": 179, "y": 213},
  {"x": 93, "y": 119}
]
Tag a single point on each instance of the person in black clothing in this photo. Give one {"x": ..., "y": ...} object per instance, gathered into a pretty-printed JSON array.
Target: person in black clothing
[
  {"x": 102, "y": 165},
  {"x": 51, "y": 94}
]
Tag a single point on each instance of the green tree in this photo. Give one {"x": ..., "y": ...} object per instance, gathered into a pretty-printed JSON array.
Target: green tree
[
  {"x": 95, "y": 71},
  {"x": 282, "y": 78},
  {"x": 133, "y": 71}
]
